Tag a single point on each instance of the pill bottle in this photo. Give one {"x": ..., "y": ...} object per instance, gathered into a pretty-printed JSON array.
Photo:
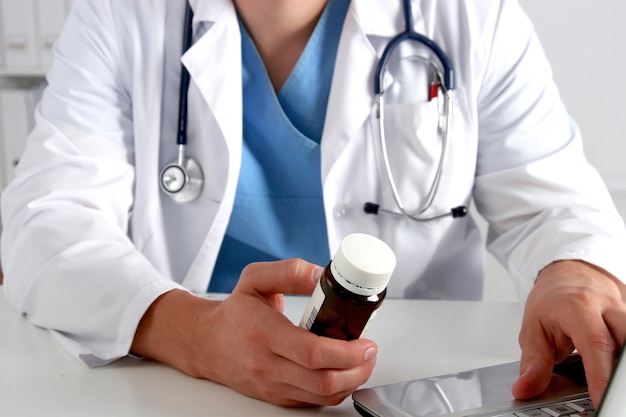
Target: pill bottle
[{"x": 351, "y": 289}]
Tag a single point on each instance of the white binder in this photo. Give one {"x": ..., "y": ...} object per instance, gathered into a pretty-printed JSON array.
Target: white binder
[
  {"x": 18, "y": 34},
  {"x": 49, "y": 19},
  {"x": 16, "y": 109}
]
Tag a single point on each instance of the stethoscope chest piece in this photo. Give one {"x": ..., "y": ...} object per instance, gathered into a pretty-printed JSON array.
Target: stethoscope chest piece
[{"x": 182, "y": 181}]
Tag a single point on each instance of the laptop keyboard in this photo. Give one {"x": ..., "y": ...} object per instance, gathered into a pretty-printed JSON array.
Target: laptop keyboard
[{"x": 576, "y": 408}]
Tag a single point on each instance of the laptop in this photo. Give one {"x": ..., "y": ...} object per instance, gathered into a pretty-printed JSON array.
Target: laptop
[{"x": 486, "y": 392}]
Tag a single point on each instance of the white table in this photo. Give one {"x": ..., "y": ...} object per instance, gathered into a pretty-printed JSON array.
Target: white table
[{"x": 415, "y": 339}]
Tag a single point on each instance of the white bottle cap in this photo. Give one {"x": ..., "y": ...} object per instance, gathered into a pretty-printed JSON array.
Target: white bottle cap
[{"x": 363, "y": 264}]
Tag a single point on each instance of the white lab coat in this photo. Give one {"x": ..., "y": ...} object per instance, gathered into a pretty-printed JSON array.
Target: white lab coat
[{"x": 89, "y": 240}]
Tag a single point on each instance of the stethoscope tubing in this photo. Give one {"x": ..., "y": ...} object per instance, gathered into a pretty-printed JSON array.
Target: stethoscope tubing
[
  {"x": 410, "y": 34},
  {"x": 181, "y": 137},
  {"x": 183, "y": 180},
  {"x": 437, "y": 178},
  {"x": 446, "y": 83}
]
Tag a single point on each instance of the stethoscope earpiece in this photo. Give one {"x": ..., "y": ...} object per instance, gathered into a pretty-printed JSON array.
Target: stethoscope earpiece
[{"x": 454, "y": 212}]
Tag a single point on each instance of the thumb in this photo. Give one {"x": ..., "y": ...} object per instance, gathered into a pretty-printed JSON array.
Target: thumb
[{"x": 292, "y": 276}]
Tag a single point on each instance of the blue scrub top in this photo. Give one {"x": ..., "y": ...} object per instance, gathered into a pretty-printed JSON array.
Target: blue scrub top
[{"x": 279, "y": 211}]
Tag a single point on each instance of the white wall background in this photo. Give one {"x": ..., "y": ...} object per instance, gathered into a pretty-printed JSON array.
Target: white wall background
[{"x": 585, "y": 42}]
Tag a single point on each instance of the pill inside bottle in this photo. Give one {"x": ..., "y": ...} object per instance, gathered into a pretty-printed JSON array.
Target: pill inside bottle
[{"x": 351, "y": 289}]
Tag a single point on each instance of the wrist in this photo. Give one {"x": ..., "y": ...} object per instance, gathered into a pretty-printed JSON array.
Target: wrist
[{"x": 166, "y": 331}]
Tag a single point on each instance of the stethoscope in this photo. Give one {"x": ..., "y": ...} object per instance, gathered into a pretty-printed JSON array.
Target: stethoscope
[
  {"x": 182, "y": 179},
  {"x": 443, "y": 84}
]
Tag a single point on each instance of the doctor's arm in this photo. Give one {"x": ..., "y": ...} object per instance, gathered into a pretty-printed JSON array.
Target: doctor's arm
[
  {"x": 69, "y": 264},
  {"x": 245, "y": 342},
  {"x": 552, "y": 222},
  {"x": 71, "y": 267}
]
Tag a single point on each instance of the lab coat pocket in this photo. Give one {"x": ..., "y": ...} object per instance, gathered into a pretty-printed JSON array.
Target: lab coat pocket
[{"x": 414, "y": 145}]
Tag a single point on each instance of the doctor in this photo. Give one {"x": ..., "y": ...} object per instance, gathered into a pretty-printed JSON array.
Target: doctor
[{"x": 282, "y": 121}]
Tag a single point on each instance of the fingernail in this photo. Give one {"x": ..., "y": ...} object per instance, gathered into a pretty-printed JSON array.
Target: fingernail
[
  {"x": 317, "y": 275},
  {"x": 370, "y": 354}
]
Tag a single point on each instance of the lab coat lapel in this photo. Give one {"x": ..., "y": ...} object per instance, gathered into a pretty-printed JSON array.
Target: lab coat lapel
[
  {"x": 367, "y": 29},
  {"x": 350, "y": 100},
  {"x": 214, "y": 64}
]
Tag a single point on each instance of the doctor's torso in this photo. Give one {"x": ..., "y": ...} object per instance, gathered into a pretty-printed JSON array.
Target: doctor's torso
[
  {"x": 142, "y": 44},
  {"x": 352, "y": 170}
]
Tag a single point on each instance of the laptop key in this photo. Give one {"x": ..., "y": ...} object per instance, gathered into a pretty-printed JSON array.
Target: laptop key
[
  {"x": 559, "y": 410},
  {"x": 585, "y": 405},
  {"x": 532, "y": 413}
]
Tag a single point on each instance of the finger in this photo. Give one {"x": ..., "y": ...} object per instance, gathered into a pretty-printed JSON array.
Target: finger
[
  {"x": 292, "y": 276},
  {"x": 537, "y": 363},
  {"x": 615, "y": 319},
  {"x": 309, "y": 399},
  {"x": 325, "y": 387},
  {"x": 292, "y": 397},
  {"x": 315, "y": 352},
  {"x": 306, "y": 349},
  {"x": 597, "y": 349},
  {"x": 327, "y": 380},
  {"x": 535, "y": 373},
  {"x": 282, "y": 382}
]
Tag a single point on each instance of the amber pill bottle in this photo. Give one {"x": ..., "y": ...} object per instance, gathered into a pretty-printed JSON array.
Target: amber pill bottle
[{"x": 351, "y": 289}]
